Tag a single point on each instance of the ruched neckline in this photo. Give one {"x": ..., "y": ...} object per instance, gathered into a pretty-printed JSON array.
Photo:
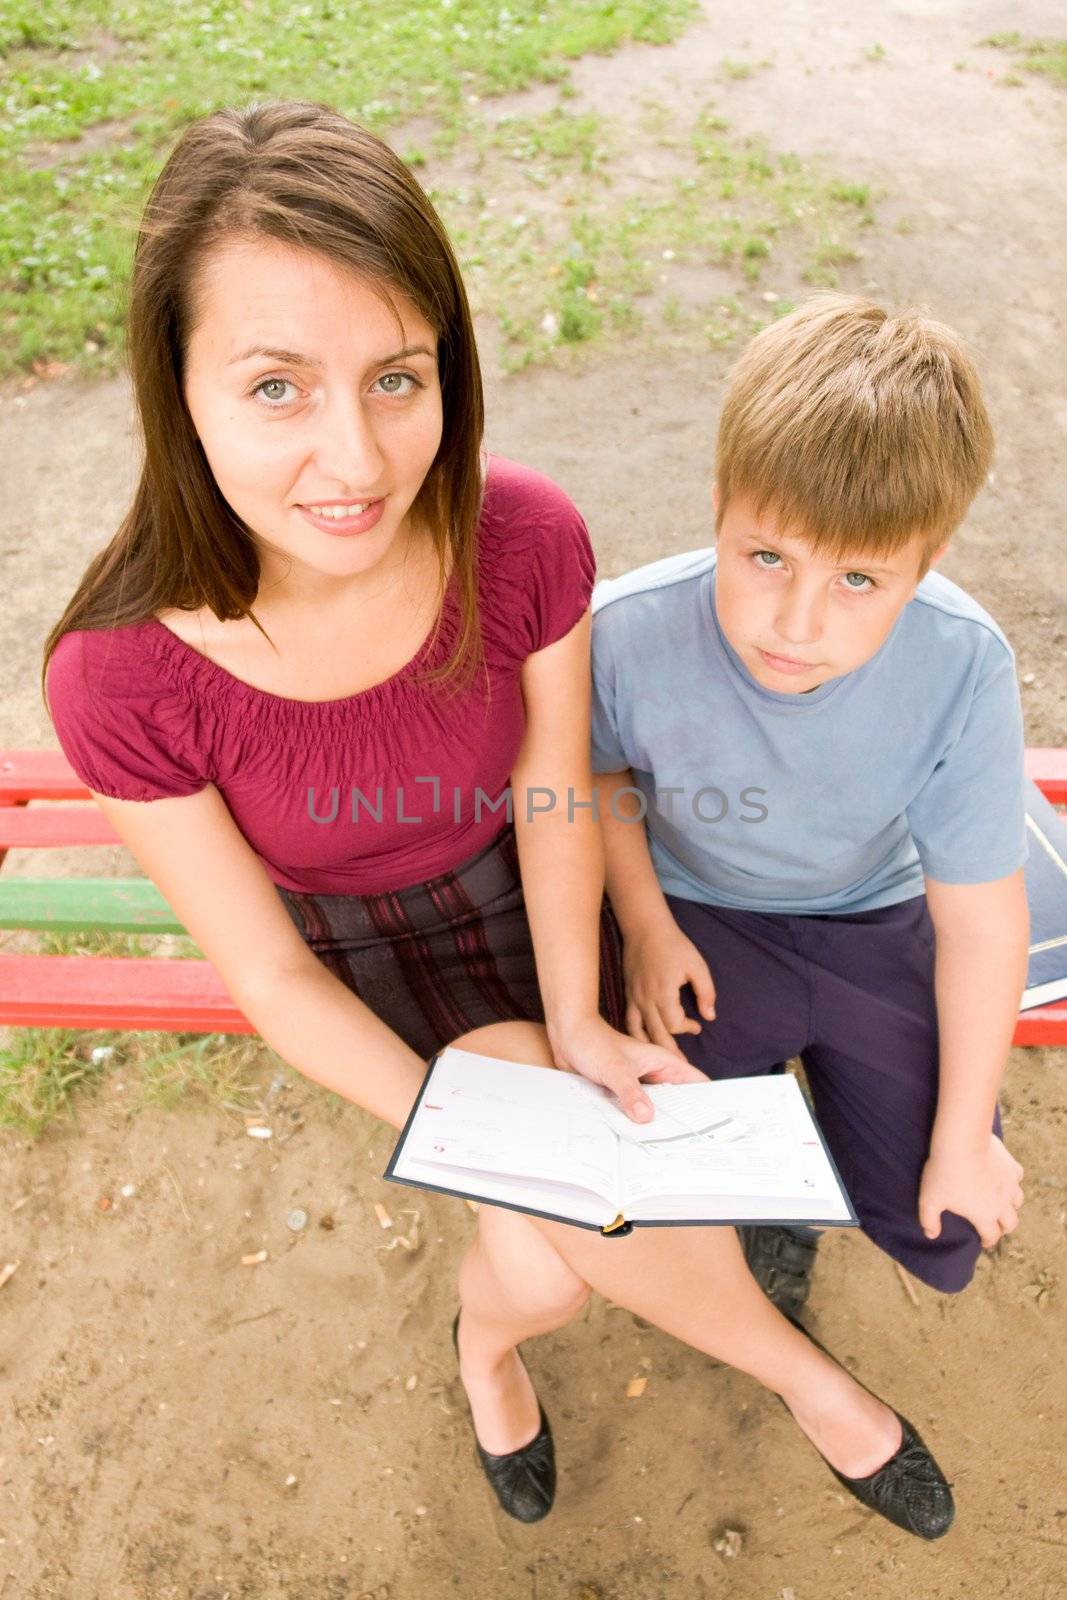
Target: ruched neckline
[{"x": 205, "y": 680}]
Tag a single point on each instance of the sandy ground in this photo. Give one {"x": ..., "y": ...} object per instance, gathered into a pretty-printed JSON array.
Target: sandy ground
[{"x": 156, "y": 1395}]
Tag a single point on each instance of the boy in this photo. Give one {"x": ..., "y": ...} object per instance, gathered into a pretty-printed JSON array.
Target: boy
[{"x": 811, "y": 786}]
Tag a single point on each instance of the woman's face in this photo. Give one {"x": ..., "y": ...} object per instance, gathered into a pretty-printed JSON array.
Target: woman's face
[{"x": 317, "y": 403}]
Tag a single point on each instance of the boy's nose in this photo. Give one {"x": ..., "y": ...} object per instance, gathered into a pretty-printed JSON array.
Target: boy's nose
[{"x": 799, "y": 620}]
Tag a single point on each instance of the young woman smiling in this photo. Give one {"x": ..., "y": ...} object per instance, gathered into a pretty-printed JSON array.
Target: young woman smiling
[{"x": 321, "y": 584}]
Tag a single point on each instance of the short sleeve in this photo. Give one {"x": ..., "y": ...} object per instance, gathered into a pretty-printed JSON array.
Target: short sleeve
[
  {"x": 969, "y": 819},
  {"x": 562, "y": 568},
  {"x": 122, "y": 728},
  {"x": 608, "y": 754}
]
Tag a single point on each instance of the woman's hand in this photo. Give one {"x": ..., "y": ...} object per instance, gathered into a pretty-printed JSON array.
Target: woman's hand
[
  {"x": 594, "y": 1050},
  {"x": 658, "y": 961}
]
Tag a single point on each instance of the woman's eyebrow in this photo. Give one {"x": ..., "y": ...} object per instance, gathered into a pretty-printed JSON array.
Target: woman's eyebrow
[{"x": 296, "y": 359}]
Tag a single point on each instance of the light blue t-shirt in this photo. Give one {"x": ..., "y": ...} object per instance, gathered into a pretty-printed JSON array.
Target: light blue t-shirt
[{"x": 837, "y": 800}]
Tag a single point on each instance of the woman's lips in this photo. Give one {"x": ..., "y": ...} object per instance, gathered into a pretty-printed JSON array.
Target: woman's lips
[
  {"x": 360, "y": 522},
  {"x": 786, "y": 663}
]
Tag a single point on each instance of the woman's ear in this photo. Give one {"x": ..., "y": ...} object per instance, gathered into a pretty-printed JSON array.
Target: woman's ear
[{"x": 715, "y": 497}]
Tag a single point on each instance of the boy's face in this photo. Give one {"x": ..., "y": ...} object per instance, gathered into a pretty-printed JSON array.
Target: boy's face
[{"x": 795, "y": 617}]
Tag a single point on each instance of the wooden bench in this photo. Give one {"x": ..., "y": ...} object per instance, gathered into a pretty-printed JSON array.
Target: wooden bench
[{"x": 170, "y": 995}]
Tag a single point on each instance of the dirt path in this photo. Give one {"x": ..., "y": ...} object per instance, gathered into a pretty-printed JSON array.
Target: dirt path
[{"x": 156, "y": 1395}]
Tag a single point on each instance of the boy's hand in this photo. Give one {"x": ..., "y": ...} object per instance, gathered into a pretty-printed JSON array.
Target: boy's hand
[
  {"x": 657, "y": 962},
  {"x": 985, "y": 1186}
]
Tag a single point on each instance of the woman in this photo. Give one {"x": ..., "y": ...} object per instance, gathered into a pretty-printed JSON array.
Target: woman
[{"x": 299, "y": 680}]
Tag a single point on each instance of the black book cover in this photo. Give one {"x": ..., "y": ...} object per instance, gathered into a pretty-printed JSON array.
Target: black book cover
[{"x": 1046, "y": 893}]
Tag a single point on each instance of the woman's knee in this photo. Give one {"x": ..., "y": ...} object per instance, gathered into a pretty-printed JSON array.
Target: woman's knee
[
  {"x": 526, "y": 1042},
  {"x": 527, "y": 1267}
]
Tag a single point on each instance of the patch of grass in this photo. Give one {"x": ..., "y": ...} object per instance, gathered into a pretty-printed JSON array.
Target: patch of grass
[
  {"x": 44, "y": 1072},
  {"x": 875, "y": 52},
  {"x": 737, "y": 71},
  {"x": 95, "y": 93},
  {"x": 832, "y": 253},
  {"x": 561, "y": 248},
  {"x": 852, "y": 194},
  {"x": 1047, "y": 57},
  {"x": 93, "y": 943}
]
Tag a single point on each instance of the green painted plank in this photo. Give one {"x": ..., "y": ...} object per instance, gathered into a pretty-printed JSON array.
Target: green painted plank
[{"x": 69, "y": 905}]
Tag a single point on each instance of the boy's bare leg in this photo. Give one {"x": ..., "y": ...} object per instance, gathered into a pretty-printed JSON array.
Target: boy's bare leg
[{"x": 691, "y": 1282}]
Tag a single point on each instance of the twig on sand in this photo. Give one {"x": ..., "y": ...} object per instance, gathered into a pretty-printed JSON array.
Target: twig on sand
[
  {"x": 178, "y": 1192},
  {"x": 907, "y": 1285}
]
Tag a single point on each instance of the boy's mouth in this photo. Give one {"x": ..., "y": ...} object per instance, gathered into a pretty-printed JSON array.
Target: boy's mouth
[{"x": 785, "y": 663}]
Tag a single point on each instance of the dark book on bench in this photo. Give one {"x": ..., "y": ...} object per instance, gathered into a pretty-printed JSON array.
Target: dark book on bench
[{"x": 1046, "y": 894}]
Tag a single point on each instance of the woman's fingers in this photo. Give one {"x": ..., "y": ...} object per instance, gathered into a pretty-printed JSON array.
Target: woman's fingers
[{"x": 680, "y": 1071}]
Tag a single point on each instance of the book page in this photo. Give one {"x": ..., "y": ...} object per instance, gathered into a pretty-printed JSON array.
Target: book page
[
  {"x": 731, "y": 1139},
  {"x": 528, "y": 1123}
]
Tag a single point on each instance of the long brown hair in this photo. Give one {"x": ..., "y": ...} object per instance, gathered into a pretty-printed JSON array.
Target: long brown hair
[{"x": 305, "y": 175}]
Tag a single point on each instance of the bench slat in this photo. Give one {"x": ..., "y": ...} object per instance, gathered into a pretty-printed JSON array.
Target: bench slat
[
  {"x": 47, "y": 775},
  {"x": 189, "y": 997},
  {"x": 67, "y": 905},
  {"x": 86, "y": 992},
  {"x": 38, "y": 775},
  {"x": 53, "y": 827},
  {"x": 1043, "y": 1025},
  {"x": 1046, "y": 765}
]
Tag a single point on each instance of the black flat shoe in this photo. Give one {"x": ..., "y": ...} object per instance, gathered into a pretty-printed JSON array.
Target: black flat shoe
[
  {"x": 781, "y": 1261},
  {"x": 524, "y": 1481},
  {"x": 909, "y": 1489}
]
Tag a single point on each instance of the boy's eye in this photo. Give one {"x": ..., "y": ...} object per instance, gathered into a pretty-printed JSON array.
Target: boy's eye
[
  {"x": 273, "y": 390},
  {"x": 859, "y": 580},
  {"x": 393, "y": 383},
  {"x": 767, "y": 558}
]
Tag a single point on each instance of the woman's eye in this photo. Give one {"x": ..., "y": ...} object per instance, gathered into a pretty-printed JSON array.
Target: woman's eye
[
  {"x": 273, "y": 391},
  {"x": 767, "y": 558},
  {"x": 858, "y": 581},
  {"x": 397, "y": 383}
]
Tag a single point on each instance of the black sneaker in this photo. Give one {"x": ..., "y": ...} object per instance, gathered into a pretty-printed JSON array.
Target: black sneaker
[{"x": 781, "y": 1261}]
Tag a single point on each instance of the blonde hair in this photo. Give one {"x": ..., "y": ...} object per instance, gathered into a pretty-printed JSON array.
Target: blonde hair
[{"x": 859, "y": 428}]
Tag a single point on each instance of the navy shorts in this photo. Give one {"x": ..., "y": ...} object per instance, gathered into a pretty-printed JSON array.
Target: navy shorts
[{"x": 853, "y": 997}]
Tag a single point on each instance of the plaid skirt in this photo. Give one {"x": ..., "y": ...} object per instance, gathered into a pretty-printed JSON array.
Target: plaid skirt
[{"x": 442, "y": 957}]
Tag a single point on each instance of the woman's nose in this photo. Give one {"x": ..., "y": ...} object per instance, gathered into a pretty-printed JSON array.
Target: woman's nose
[{"x": 347, "y": 448}]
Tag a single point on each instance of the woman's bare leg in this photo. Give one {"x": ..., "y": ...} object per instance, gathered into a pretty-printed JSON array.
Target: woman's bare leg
[
  {"x": 513, "y": 1284},
  {"x": 691, "y": 1282}
]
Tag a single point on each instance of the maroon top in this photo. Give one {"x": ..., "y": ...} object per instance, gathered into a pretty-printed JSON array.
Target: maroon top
[{"x": 327, "y": 792}]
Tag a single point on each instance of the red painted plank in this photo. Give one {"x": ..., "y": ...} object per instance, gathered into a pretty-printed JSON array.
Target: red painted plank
[
  {"x": 1047, "y": 766},
  {"x": 44, "y": 827},
  {"x": 47, "y": 775},
  {"x": 38, "y": 775},
  {"x": 99, "y": 992},
  {"x": 1042, "y": 1025}
]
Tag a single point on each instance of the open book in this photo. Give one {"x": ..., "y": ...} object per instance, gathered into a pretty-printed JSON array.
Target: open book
[{"x": 551, "y": 1143}]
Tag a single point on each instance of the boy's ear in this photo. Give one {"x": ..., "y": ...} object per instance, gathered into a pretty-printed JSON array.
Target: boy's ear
[{"x": 936, "y": 557}]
